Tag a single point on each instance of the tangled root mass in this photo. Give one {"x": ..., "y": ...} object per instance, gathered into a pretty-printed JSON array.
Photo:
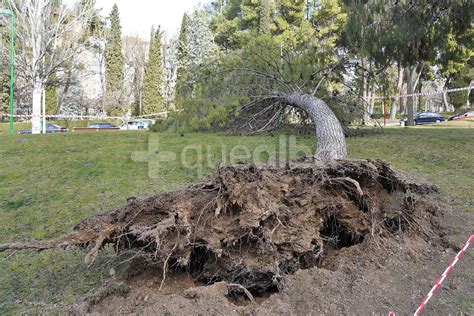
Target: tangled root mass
[{"x": 252, "y": 224}]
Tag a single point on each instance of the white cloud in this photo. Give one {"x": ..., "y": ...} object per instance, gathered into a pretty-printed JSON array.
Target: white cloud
[{"x": 137, "y": 16}]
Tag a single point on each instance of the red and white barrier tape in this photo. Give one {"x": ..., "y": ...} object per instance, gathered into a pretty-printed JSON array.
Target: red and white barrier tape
[
  {"x": 165, "y": 113},
  {"x": 80, "y": 117},
  {"x": 444, "y": 275},
  {"x": 418, "y": 94}
]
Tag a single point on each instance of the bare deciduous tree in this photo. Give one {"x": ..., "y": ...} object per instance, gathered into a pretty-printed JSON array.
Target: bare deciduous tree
[{"x": 48, "y": 36}]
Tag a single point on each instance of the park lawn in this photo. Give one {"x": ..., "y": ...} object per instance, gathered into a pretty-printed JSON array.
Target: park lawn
[{"x": 48, "y": 183}]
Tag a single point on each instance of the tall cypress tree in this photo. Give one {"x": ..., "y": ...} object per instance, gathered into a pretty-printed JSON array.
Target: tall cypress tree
[
  {"x": 182, "y": 72},
  {"x": 137, "y": 103},
  {"x": 114, "y": 60},
  {"x": 152, "y": 96}
]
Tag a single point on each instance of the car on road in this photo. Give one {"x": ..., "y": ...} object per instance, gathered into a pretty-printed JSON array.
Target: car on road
[
  {"x": 50, "y": 128},
  {"x": 424, "y": 118},
  {"x": 465, "y": 115},
  {"x": 101, "y": 125}
]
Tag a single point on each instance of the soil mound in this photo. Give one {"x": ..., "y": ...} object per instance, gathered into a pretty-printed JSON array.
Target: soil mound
[{"x": 250, "y": 225}]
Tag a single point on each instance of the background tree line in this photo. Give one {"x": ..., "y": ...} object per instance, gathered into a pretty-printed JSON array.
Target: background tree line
[
  {"x": 78, "y": 61},
  {"x": 230, "y": 53},
  {"x": 344, "y": 49}
]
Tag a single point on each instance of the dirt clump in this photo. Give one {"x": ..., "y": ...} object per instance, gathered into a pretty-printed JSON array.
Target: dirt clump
[{"x": 251, "y": 225}]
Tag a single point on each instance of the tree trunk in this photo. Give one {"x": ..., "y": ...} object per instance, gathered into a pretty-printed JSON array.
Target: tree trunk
[
  {"x": 371, "y": 100},
  {"x": 421, "y": 105},
  {"x": 36, "y": 119},
  {"x": 403, "y": 105},
  {"x": 445, "y": 102},
  {"x": 36, "y": 65},
  {"x": 411, "y": 84},
  {"x": 395, "y": 104},
  {"x": 330, "y": 139},
  {"x": 363, "y": 94},
  {"x": 43, "y": 111}
]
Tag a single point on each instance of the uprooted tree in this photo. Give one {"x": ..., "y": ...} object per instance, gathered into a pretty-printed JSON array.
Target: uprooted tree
[
  {"x": 253, "y": 224},
  {"x": 271, "y": 70},
  {"x": 256, "y": 88},
  {"x": 250, "y": 225}
]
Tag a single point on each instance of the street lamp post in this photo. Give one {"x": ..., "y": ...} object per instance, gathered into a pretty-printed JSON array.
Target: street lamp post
[{"x": 12, "y": 63}]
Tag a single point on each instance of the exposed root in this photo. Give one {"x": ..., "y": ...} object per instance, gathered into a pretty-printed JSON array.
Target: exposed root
[
  {"x": 250, "y": 225},
  {"x": 71, "y": 240},
  {"x": 103, "y": 235},
  {"x": 247, "y": 293},
  {"x": 36, "y": 245}
]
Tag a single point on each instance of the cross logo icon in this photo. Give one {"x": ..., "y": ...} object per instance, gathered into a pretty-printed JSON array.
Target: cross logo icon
[{"x": 154, "y": 157}]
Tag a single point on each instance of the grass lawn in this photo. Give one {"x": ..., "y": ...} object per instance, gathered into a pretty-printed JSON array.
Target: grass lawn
[{"x": 48, "y": 183}]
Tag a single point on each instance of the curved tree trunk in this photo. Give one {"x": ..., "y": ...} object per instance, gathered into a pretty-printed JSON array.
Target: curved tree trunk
[{"x": 330, "y": 139}]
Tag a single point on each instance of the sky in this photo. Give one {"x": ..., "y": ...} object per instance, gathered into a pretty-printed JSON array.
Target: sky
[{"x": 137, "y": 16}]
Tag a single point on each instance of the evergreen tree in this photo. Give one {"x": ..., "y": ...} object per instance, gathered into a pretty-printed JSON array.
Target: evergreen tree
[
  {"x": 182, "y": 72},
  {"x": 460, "y": 79},
  {"x": 265, "y": 25},
  {"x": 226, "y": 24},
  {"x": 51, "y": 100},
  {"x": 152, "y": 95},
  {"x": 137, "y": 102},
  {"x": 411, "y": 32},
  {"x": 241, "y": 20},
  {"x": 114, "y": 60},
  {"x": 201, "y": 48},
  {"x": 256, "y": 17},
  {"x": 95, "y": 22},
  {"x": 301, "y": 47},
  {"x": 329, "y": 20},
  {"x": 456, "y": 63},
  {"x": 51, "y": 95},
  {"x": 250, "y": 15},
  {"x": 290, "y": 14},
  {"x": 152, "y": 37}
]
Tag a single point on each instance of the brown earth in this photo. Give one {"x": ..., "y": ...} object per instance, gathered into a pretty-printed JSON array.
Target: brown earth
[{"x": 344, "y": 237}]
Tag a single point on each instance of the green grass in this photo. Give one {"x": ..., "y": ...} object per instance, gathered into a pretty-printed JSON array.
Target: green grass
[{"x": 48, "y": 183}]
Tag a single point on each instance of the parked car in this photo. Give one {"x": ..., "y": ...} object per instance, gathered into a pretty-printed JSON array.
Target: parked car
[
  {"x": 101, "y": 125},
  {"x": 136, "y": 124},
  {"x": 50, "y": 128},
  {"x": 133, "y": 125},
  {"x": 425, "y": 118},
  {"x": 465, "y": 115},
  {"x": 148, "y": 122}
]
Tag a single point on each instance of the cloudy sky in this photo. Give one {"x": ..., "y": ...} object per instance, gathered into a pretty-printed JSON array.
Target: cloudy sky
[{"x": 137, "y": 16}]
